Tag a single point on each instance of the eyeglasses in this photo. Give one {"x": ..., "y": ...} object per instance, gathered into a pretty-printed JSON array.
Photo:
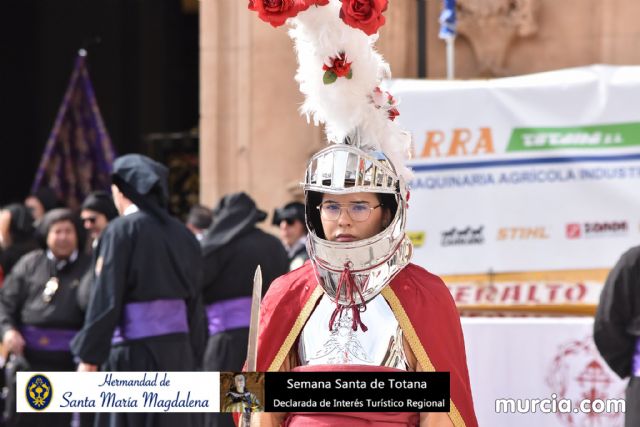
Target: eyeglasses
[
  {"x": 90, "y": 219},
  {"x": 289, "y": 221},
  {"x": 358, "y": 212}
]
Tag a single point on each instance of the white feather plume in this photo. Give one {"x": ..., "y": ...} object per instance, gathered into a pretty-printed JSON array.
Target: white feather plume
[{"x": 345, "y": 105}]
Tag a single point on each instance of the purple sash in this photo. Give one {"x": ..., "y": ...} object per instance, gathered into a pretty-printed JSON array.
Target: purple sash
[
  {"x": 47, "y": 339},
  {"x": 229, "y": 314},
  {"x": 635, "y": 368},
  {"x": 150, "y": 319}
]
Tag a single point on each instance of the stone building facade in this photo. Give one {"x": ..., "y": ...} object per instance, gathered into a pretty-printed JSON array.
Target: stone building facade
[{"x": 253, "y": 139}]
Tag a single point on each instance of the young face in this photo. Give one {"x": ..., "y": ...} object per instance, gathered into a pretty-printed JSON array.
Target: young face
[
  {"x": 291, "y": 231},
  {"x": 347, "y": 229},
  {"x": 62, "y": 239},
  {"x": 94, "y": 222}
]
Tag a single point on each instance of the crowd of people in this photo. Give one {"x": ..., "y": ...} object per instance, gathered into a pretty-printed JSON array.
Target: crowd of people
[{"x": 122, "y": 285}]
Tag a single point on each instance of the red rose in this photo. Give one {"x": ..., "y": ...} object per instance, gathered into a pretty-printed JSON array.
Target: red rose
[
  {"x": 306, "y": 4},
  {"x": 276, "y": 12},
  {"x": 339, "y": 66},
  {"x": 364, "y": 14}
]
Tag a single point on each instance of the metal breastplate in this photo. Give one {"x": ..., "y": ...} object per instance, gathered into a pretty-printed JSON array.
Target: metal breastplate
[{"x": 381, "y": 345}]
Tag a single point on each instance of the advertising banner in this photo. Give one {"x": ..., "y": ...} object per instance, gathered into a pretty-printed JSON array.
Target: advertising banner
[{"x": 526, "y": 189}]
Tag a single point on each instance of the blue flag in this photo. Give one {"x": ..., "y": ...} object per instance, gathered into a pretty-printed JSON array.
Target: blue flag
[
  {"x": 78, "y": 156},
  {"x": 448, "y": 20}
]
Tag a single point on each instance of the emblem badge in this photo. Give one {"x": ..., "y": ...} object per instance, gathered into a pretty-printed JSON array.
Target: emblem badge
[{"x": 39, "y": 392}]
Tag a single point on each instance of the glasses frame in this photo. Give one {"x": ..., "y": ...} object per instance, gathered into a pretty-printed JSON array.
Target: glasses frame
[
  {"x": 346, "y": 206},
  {"x": 90, "y": 219},
  {"x": 289, "y": 221}
]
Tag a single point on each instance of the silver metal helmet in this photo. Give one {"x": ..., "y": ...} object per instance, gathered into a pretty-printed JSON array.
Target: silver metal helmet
[{"x": 371, "y": 263}]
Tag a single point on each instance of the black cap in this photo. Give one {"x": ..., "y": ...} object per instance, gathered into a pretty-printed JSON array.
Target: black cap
[
  {"x": 100, "y": 201},
  {"x": 292, "y": 210}
]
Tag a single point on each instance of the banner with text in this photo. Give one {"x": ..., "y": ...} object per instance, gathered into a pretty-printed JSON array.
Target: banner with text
[
  {"x": 524, "y": 185},
  {"x": 232, "y": 391},
  {"x": 118, "y": 392}
]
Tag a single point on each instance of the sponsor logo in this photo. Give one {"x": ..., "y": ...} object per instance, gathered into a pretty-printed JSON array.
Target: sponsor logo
[
  {"x": 466, "y": 236},
  {"x": 596, "y": 229},
  {"x": 458, "y": 142},
  {"x": 522, "y": 233},
  {"x": 531, "y": 293},
  {"x": 574, "y": 231},
  {"x": 417, "y": 238},
  {"x": 589, "y": 137},
  {"x": 39, "y": 392}
]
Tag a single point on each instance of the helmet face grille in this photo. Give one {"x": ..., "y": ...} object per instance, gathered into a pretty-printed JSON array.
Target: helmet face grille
[{"x": 346, "y": 169}]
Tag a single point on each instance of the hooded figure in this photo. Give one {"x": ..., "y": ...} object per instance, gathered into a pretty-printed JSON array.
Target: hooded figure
[
  {"x": 145, "y": 312},
  {"x": 96, "y": 212},
  {"x": 233, "y": 247},
  {"x": 16, "y": 236},
  {"x": 41, "y": 201}
]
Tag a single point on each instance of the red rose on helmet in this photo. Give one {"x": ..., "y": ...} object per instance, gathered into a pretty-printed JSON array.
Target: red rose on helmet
[
  {"x": 276, "y": 12},
  {"x": 339, "y": 68},
  {"x": 339, "y": 65},
  {"x": 364, "y": 14},
  {"x": 305, "y": 4}
]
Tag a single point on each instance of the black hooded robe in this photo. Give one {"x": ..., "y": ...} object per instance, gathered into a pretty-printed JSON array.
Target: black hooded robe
[
  {"x": 617, "y": 326},
  {"x": 143, "y": 257},
  {"x": 233, "y": 248}
]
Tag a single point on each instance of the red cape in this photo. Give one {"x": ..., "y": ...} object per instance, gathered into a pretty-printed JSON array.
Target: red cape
[{"x": 420, "y": 301}]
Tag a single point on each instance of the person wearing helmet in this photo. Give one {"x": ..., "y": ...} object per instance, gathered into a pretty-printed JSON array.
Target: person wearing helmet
[
  {"x": 359, "y": 304},
  {"x": 362, "y": 303}
]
